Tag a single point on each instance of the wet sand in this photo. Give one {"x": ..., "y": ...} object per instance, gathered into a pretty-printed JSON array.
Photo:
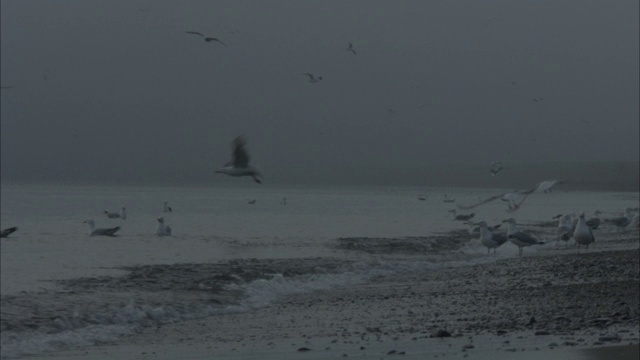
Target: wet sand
[{"x": 559, "y": 304}]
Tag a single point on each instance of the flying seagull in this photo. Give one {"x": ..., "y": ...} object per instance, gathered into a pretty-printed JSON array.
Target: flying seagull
[
  {"x": 496, "y": 167},
  {"x": 100, "y": 231},
  {"x": 313, "y": 79},
  {"x": 207, "y": 38},
  {"x": 8, "y": 231},
  {"x": 512, "y": 197},
  {"x": 350, "y": 48},
  {"x": 239, "y": 165},
  {"x": 166, "y": 207}
]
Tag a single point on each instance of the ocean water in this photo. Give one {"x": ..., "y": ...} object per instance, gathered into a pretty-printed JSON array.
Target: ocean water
[{"x": 61, "y": 288}]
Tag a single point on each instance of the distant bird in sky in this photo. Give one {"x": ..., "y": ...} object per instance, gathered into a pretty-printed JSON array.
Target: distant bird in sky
[
  {"x": 207, "y": 38},
  {"x": 350, "y": 48},
  {"x": 312, "y": 78},
  {"x": 114, "y": 215},
  {"x": 162, "y": 229},
  {"x": 239, "y": 164},
  {"x": 496, "y": 167},
  {"x": 251, "y": 202},
  {"x": 166, "y": 207},
  {"x": 100, "y": 231},
  {"x": 8, "y": 231}
]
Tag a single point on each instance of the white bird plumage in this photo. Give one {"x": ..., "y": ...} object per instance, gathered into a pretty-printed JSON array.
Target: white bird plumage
[
  {"x": 583, "y": 234},
  {"x": 519, "y": 238},
  {"x": 239, "y": 165},
  {"x": 93, "y": 231},
  {"x": 162, "y": 229},
  {"x": 114, "y": 215}
]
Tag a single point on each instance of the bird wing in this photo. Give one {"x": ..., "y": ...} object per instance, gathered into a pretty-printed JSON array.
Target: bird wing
[
  {"x": 309, "y": 75},
  {"x": 499, "y": 238},
  {"x": 195, "y": 33},
  {"x": 209, "y": 39},
  {"x": 463, "y": 207},
  {"x": 240, "y": 155},
  {"x": 8, "y": 231}
]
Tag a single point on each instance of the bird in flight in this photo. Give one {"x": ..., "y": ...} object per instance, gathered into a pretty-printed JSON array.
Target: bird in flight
[
  {"x": 350, "y": 48},
  {"x": 239, "y": 165},
  {"x": 496, "y": 167},
  {"x": 207, "y": 38},
  {"x": 312, "y": 78},
  {"x": 516, "y": 198}
]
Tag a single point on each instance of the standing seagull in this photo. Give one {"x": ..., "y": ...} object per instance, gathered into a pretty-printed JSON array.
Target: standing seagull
[
  {"x": 622, "y": 221},
  {"x": 489, "y": 239},
  {"x": 207, "y": 38},
  {"x": 8, "y": 231},
  {"x": 166, "y": 207},
  {"x": 103, "y": 231},
  {"x": 162, "y": 229},
  {"x": 594, "y": 222},
  {"x": 239, "y": 165},
  {"x": 519, "y": 238},
  {"x": 313, "y": 79},
  {"x": 564, "y": 231},
  {"x": 350, "y": 48},
  {"x": 583, "y": 234}
]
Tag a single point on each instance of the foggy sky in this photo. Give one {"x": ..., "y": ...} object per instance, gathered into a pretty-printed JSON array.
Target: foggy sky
[{"x": 111, "y": 91}]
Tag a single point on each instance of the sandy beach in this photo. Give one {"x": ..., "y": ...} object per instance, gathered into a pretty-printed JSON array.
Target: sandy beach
[{"x": 555, "y": 302}]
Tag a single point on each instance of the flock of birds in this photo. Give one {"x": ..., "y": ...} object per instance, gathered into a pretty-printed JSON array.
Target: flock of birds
[
  {"x": 569, "y": 226},
  {"x": 161, "y": 229}
]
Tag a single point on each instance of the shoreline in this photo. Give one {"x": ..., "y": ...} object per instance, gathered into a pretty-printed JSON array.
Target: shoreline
[{"x": 560, "y": 303}]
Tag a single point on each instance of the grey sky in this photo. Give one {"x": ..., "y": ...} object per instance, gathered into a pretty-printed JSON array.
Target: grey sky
[{"x": 117, "y": 91}]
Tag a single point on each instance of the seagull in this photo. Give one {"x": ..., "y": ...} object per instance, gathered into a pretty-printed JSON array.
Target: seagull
[
  {"x": 583, "y": 234},
  {"x": 8, "y": 231},
  {"x": 95, "y": 232},
  {"x": 350, "y": 48},
  {"x": 253, "y": 201},
  {"x": 162, "y": 229},
  {"x": 565, "y": 229},
  {"x": 635, "y": 222},
  {"x": 512, "y": 196},
  {"x": 166, "y": 207},
  {"x": 496, "y": 167},
  {"x": 489, "y": 239},
  {"x": 461, "y": 217},
  {"x": 622, "y": 221},
  {"x": 239, "y": 165},
  {"x": 594, "y": 222},
  {"x": 207, "y": 38},
  {"x": 312, "y": 78},
  {"x": 474, "y": 231},
  {"x": 520, "y": 238},
  {"x": 114, "y": 215}
]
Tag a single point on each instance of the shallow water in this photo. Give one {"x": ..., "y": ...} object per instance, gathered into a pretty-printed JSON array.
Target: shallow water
[{"x": 225, "y": 255}]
